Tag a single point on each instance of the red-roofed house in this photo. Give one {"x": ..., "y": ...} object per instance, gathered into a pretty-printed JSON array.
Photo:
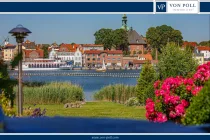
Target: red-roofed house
[
  {"x": 94, "y": 58},
  {"x": 193, "y": 44},
  {"x": 205, "y": 50},
  {"x": 30, "y": 55}
]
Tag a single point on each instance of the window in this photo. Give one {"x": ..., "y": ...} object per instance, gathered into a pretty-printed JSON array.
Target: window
[
  {"x": 119, "y": 59},
  {"x": 94, "y": 59},
  {"x": 77, "y": 54},
  {"x": 108, "y": 58},
  {"x": 98, "y": 59},
  {"x": 113, "y": 58},
  {"x": 88, "y": 59},
  {"x": 93, "y": 54}
]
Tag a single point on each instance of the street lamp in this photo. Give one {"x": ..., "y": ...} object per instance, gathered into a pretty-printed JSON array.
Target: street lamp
[{"x": 20, "y": 33}]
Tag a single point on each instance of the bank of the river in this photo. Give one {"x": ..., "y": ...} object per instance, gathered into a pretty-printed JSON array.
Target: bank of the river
[
  {"x": 90, "y": 84},
  {"x": 95, "y": 109}
]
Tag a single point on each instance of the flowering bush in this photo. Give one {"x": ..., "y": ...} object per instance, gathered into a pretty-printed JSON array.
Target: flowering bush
[{"x": 174, "y": 94}]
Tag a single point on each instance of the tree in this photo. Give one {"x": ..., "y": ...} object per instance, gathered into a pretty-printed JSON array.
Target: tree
[
  {"x": 174, "y": 61},
  {"x": 145, "y": 83},
  {"x": 205, "y": 43},
  {"x": 45, "y": 49},
  {"x": 120, "y": 39},
  {"x": 159, "y": 36},
  {"x": 134, "y": 52},
  {"x": 117, "y": 39},
  {"x": 104, "y": 36}
]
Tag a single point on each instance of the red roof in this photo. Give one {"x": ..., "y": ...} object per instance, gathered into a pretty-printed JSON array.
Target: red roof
[
  {"x": 9, "y": 45},
  {"x": 147, "y": 56},
  {"x": 189, "y": 43},
  {"x": 92, "y": 45},
  {"x": 28, "y": 52},
  {"x": 203, "y": 48},
  {"x": 106, "y": 51},
  {"x": 69, "y": 47}
]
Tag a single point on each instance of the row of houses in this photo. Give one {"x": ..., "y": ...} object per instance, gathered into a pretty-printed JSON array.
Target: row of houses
[{"x": 84, "y": 55}]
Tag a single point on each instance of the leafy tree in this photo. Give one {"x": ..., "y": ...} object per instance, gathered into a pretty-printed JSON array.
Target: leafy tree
[
  {"x": 45, "y": 49},
  {"x": 120, "y": 39},
  {"x": 6, "y": 84},
  {"x": 73, "y": 43},
  {"x": 134, "y": 52},
  {"x": 205, "y": 43},
  {"x": 145, "y": 52},
  {"x": 199, "y": 110},
  {"x": 159, "y": 36},
  {"x": 174, "y": 61},
  {"x": 140, "y": 52},
  {"x": 104, "y": 36},
  {"x": 145, "y": 83},
  {"x": 117, "y": 39}
]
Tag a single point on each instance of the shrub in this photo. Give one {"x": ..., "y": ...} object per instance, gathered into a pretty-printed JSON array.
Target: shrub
[
  {"x": 4, "y": 103},
  {"x": 173, "y": 62},
  {"x": 199, "y": 109},
  {"x": 133, "y": 101},
  {"x": 115, "y": 93},
  {"x": 52, "y": 93},
  {"x": 174, "y": 95},
  {"x": 145, "y": 83}
]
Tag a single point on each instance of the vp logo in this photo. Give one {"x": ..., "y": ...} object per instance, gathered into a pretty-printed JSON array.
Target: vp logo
[{"x": 160, "y": 6}]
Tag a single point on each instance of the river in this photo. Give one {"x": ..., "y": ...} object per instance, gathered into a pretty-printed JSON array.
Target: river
[{"x": 90, "y": 84}]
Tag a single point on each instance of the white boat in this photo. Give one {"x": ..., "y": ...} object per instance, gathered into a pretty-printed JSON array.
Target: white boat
[
  {"x": 66, "y": 67},
  {"x": 103, "y": 69}
]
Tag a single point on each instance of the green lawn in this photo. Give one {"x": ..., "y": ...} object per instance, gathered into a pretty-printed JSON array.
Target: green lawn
[{"x": 96, "y": 109}]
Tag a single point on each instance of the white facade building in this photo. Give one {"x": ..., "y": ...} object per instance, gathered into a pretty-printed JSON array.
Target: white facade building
[
  {"x": 78, "y": 58},
  {"x": 205, "y": 51},
  {"x": 65, "y": 56},
  {"x": 52, "y": 54}
]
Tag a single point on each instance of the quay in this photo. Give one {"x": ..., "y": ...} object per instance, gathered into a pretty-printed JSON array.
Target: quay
[{"x": 92, "y": 74}]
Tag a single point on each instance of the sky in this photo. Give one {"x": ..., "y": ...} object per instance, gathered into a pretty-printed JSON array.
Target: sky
[{"x": 80, "y": 28}]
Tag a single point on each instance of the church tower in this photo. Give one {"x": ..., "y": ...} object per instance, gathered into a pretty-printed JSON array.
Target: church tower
[{"x": 124, "y": 22}]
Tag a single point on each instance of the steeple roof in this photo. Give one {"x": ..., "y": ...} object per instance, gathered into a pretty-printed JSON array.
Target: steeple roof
[{"x": 134, "y": 37}]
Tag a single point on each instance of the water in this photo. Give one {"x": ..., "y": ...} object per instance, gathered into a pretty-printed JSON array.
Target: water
[{"x": 89, "y": 84}]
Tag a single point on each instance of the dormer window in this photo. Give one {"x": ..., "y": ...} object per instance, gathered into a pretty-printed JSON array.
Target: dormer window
[{"x": 137, "y": 41}]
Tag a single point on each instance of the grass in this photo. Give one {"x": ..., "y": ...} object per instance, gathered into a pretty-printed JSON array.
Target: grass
[
  {"x": 96, "y": 110},
  {"x": 116, "y": 93},
  {"x": 52, "y": 93}
]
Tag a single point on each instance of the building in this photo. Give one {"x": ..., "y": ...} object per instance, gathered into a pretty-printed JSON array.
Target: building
[
  {"x": 9, "y": 52},
  {"x": 78, "y": 58},
  {"x": 204, "y": 50},
  {"x": 86, "y": 47},
  {"x": 142, "y": 59},
  {"x": 136, "y": 41},
  {"x": 66, "y": 52},
  {"x": 31, "y": 55},
  {"x": 193, "y": 44},
  {"x": 112, "y": 58},
  {"x": 30, "y": 45},
  {"x": 52, "y": 54}
]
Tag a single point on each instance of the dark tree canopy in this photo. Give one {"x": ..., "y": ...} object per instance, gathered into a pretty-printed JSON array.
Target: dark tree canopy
[
  {"x": 45, "y": 48},
  {"x": 112, "y": 38},
  {"x": 205, "y": 43},
  {"x": 159, "y": 36}
]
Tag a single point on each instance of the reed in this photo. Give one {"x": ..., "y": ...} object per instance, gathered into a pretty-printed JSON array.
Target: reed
[
  {"x": 52, "y": 93},
  {"x": 115, "y": 93}
]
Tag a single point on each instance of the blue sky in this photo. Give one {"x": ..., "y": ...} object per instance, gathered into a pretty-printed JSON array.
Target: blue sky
[{"x": 80, "y": 28}]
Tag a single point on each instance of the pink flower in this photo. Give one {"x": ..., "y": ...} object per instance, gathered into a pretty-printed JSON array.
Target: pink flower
[
  {"x": 196, "y": 90},
  {"x": 172, "y": 114},
  {"x": 156, "y": 84},
  {"x": 179, "y": 109},
  {"x": 161, "y": 117},
  {"x": 189, "y": 88},
  {"x": 184, "y": 103}
]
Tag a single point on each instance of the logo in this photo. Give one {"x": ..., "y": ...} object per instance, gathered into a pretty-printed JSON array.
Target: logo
[{"x": 160, "y": 6}]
